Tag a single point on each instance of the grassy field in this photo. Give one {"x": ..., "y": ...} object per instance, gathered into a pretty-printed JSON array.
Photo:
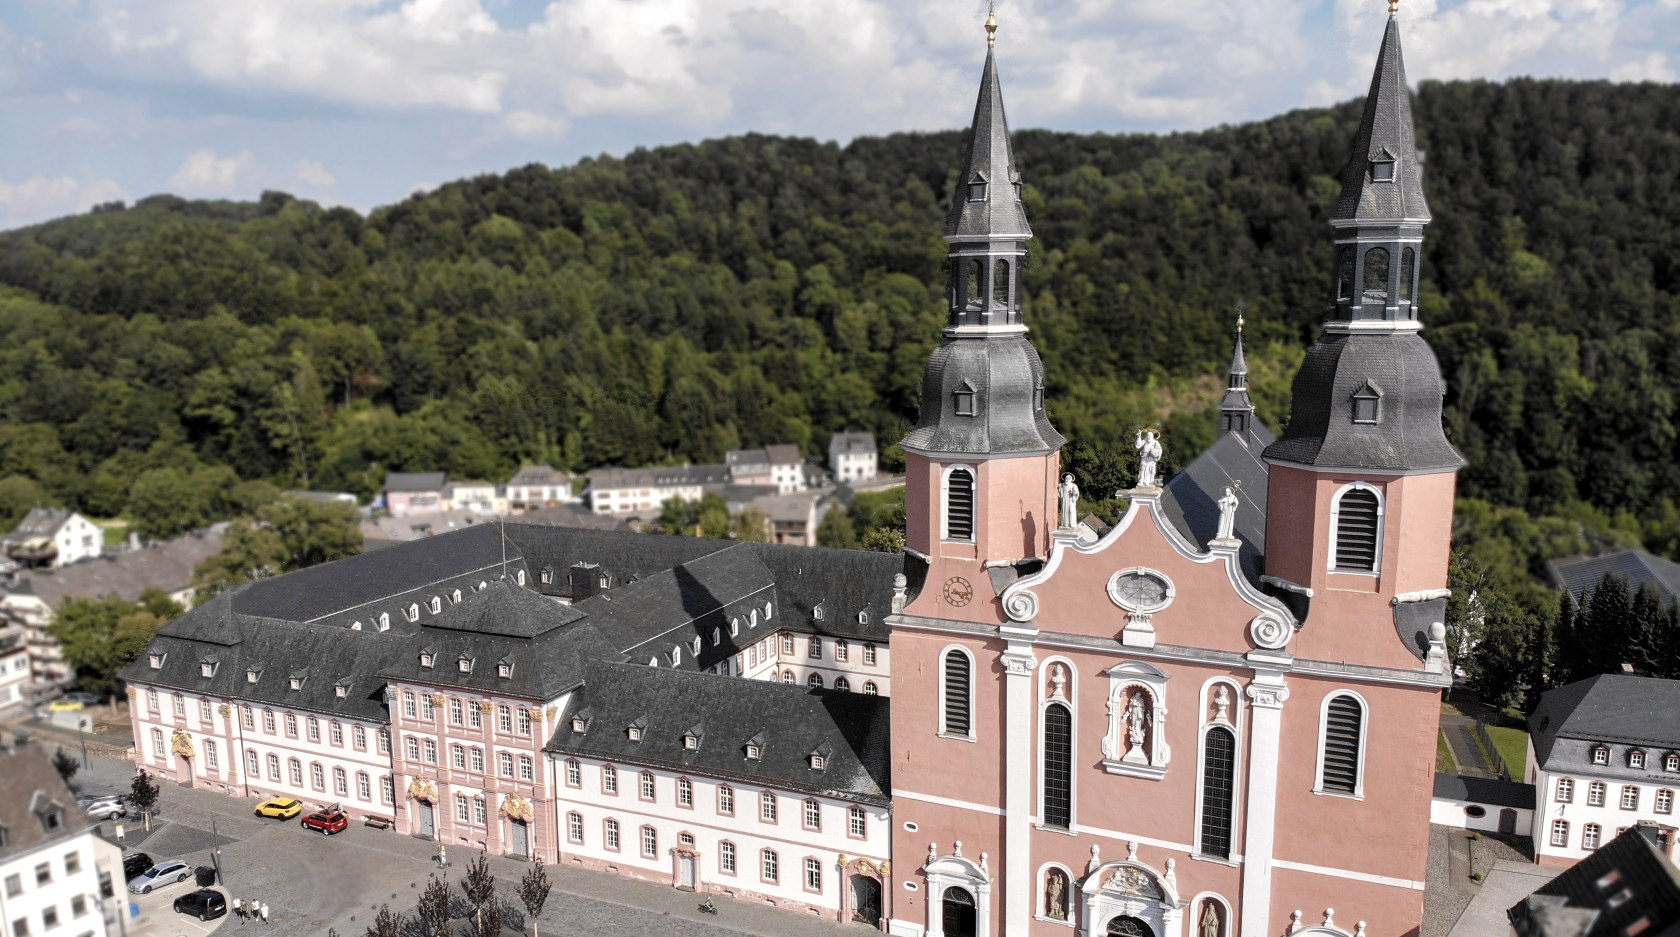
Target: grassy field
[
  {"x": 1513, "y": 747},
  {"x": 1443, "y": 755}
]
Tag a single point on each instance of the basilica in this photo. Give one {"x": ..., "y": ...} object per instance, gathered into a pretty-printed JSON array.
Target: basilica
[{"x": 1214, "y": 718}]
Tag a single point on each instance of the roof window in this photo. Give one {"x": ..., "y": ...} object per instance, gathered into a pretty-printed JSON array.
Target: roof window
[
  {"x": 156, "y": 659},
  {"x": 426, "y": 659}
]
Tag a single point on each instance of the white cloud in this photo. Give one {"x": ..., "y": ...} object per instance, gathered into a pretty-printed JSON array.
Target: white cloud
[
  {"x": 205, "y": 173},
  {"x": 42, "y": 197},
  {"x": 314, "y": 174},
  {"x": 530, "y": 125},
  {"x": 1653, "y": 67}
]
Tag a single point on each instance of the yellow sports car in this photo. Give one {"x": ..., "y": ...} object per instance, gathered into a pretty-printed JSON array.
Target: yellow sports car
[
  {"x": 66, "y": 706},
  {"x": 280, "y": 808}
]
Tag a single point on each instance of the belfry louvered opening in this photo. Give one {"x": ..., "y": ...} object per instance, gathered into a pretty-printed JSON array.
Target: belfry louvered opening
[
  {"x": 959, "y": 505},
  {"x": 1058, "y": 766},
  {"x": 1358, "y": 522},
  {"x": 957, "y": 696},
  {"x": 1344, "y": 719}
]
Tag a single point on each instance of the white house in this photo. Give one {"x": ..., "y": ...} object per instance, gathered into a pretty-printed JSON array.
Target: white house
[
  {"x": 1604, "y": 754},
  {"x": 645, "y": 490},
  {"x": 747, "y": 789},
  {"x": 852, "y": 457},
  {"x": 53, "y": 538},
  {"x": 14, "y": 670},
  {"x": 479, "y": 497},
  {"x": 56, "y": 874},
  {"x": 539, "y": 486}
]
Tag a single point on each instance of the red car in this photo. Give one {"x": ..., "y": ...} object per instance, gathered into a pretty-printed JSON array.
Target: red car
[{"x": 329, "y": 821}]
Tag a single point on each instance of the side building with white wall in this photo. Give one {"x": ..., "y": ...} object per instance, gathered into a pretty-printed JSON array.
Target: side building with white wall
[{"x": 56, "y": 875}]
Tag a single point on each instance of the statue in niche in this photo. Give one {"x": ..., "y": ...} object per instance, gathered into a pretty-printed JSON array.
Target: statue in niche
[
  {"x": 1222, "y": 704},
  {"x": 1148, "y": 446},
  {"x": 1068, "y": 491},
  {"x": 1055, "y": 891},
  {"x": 1136, "y": 715},
  {"x": 1209, "y": 924},
  {"x": 1227, "y": 516}
]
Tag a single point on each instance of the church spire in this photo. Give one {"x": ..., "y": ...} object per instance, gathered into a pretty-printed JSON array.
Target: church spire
[
  {"x": 987, "y": 201},
  {"x": 1236, "y": 411}
]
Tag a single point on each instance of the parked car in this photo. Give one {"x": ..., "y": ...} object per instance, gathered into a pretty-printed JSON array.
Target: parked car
[
  {"x": 329, "y": 821},
  {"x": 134, "y": 863},
  {"x": 65, "y": 704},
  {"x": 103, "y": 808},
  {"x": 164, "y": 873},
  {"x": 206, "y": 904},
  {"x": 279, "y": 808}
]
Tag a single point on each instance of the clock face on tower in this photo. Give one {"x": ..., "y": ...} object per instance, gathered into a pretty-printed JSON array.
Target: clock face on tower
[
  {"x": 1140, "y": 590},
  {"x": 958, "y": 591}
]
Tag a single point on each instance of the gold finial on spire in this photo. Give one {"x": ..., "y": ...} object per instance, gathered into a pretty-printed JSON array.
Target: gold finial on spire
[
  {"x": 1393, "y": 7},
  {"x": 991, "y": 23},
  {"x": 1240, "y": 307}
]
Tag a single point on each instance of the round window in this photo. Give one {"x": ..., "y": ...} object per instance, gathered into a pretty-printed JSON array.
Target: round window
[{"x": 1475, "y": 812}]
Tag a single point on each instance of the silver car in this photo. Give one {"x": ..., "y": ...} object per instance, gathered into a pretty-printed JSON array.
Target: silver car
[
  {"x": 164, "y": 873},
  {"x": 103, "y": 808}
]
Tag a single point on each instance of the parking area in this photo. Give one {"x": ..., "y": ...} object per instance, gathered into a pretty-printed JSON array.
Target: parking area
[{"x": 158, "y": 918}]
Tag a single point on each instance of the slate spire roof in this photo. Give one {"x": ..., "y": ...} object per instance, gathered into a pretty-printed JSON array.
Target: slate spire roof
[
  {"x": 1385, "y": 136},
  {"x": 1236, "y": 410},
  {"x": 990, "y": 160}
]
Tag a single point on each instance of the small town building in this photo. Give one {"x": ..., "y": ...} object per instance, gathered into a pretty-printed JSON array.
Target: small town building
[
  {"x": 538, "y": 486},
  {"x": 415, "y": 492},
  {"x": 52, "y": 538},
  {"x": 57, "y": 876},
  {"x": 852, "y": 457},
  {"x": 1625, "y": 888}
]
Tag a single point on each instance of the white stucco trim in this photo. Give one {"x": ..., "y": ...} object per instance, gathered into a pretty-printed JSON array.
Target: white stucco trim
[
  {"x": 1348, "y": 874},
  {"x": 945, "y": 504},
  {"x": 1069, "y": 693},
  {"x": 1233, "y": 722},
  {"x": 950, "y": 802}
]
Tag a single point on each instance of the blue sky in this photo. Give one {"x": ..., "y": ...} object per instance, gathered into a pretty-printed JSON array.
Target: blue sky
[{"x": 361, "y": 102}]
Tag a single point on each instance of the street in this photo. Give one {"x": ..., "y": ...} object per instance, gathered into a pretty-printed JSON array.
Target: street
[{"x": 313, "y": 883}]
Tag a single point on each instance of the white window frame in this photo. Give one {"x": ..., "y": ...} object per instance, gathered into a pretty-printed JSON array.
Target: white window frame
[
  {"x": 973, "y": 670},
  {"x": 1335, "y": 526},
  {"x": 1560, "y": 833},
  {"x": 1364, "y": 735}
]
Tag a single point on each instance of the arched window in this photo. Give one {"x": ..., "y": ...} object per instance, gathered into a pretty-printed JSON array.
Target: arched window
[
  {"x": 959, "y": 504},
  {"x": 972, "y": 292},
  {"x": 1000, "y": 284},
  {"x": 1058, "y": 766},
  {"x": 1344, "y": 274},
  {"x": 1342, "y": 748},
  {"x": 1357, "y": 521},
  {"x": 814, "y": 681},
  {"x": 870, "y": 689},
  {"x": 1408, "y": 271},
  {"x": 842, "y": 684},
  {"x": 1376, "y": 274},
  {"x": 1219, "y": 750},
  {"x": 956, "y": 698}
]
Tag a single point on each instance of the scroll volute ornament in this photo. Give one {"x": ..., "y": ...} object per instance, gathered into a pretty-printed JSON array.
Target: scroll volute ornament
[
  {"x": 515, "y": 807},
  {"x": 423, "y": 789}
]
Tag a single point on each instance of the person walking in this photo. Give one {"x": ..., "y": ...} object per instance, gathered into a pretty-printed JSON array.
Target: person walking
[
  {"x": 239, "y": 911},
  {"x": 265, "y": 912}
]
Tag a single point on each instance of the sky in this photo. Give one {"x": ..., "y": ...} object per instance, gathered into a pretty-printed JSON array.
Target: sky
[{"x": 364, "y": 102}]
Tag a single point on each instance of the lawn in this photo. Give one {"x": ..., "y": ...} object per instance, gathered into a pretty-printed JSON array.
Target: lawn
[
  {"x": 1513, "y": 747},
  {"x": 1443, "y": 754}
]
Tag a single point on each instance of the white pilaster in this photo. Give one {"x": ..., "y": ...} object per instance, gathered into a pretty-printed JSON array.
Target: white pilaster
[
  {"x": 1020, "y": 891},
  {"x": 1266, "y": 695}
]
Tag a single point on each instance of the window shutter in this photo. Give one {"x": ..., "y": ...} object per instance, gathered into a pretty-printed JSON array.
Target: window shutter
[
  {"x": 1342, "y": 725},
  {"x": 1058, "y": 766},
  {"x": 959, "y": 505},
  {"x": 956, "y": 694},
  {"x": 1357, "y": 530}
]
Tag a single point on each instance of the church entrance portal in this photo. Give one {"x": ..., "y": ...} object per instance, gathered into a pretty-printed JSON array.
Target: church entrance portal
[
  {"x": 958, "y": 916},
  {"x": 866, "y": 900},
  {"x": 1129, "y": 927}
]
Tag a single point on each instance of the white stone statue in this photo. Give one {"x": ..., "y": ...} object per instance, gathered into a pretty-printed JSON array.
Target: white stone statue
[
  {"x": 1149, "y": 452},
  {"x": 1210, "y": 920},
  {"x": 1054, "y": 890},
  {"x": 1068, "y": 490},
  {"x": 1135, "y": 717},
  {"x": 1227, "y": 516}
]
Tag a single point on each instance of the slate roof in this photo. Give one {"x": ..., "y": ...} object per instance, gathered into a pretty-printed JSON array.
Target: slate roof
[
  {"x": 844, "y": 582},
  {"x": 534, "y": 475},
  {"x": 852, "y": 442},
  {"x": 1621, "y": 710},
  {"x": 1407, "y": 435},
  {"x": 1621, "y": 884},
  {"x": 999, "y": 215},
  {"x": 789, "y": 722},
  {"x": 666, "y": 476},
  {"x": 167, "y": 566},
  {"x": 39, "y": 522},
  {"x": 416, "y": 481},
  {"x": 32, "y": 788},
  {"x": 671, "y": 608},
  {"x": 565, "y": 515},
  {"x": 1385, "y": 133},
  {"x": 1489, "y": 791},
  {"x": 1003, "y": 372},
  {"x": 1582, "y": 575},
  {"x": 1191, "y": 497}
]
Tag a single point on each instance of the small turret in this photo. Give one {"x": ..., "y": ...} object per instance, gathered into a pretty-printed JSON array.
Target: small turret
[{"x": 1236, "y": 410}]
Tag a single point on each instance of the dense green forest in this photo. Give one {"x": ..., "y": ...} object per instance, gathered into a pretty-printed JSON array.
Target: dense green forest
[{"x": 679, "y": 302}]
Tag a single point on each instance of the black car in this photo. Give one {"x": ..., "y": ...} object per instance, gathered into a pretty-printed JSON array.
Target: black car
[
  {"x": 134, "y": 863},
  {"x": 206, "y": 904}
]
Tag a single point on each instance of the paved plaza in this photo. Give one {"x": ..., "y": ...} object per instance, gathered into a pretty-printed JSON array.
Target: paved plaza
[{"x": 313, "y": 883}]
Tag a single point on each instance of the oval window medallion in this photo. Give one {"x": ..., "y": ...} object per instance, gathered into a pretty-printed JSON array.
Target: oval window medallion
[{"x": 1140, "y": 590}]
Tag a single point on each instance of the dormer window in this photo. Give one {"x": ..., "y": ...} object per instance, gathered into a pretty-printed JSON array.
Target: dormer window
[
  {"x": 863, "y": 617},
  {"x": 753, "y": 751},
  {"x": 426, "y": 659},
  {"x": 1671, "y": 761},
  {"x": 818, "y": 762},
  {"x": 717, "y": 636},
  {"x": 519, "y": 576},
  {"x": 579, "y": 724},
  {"x": 413, "y": 613},
  {"x": 464, "y": 664},
  {"x": 977, "y": 188},
  {"x": 436, "y": 605},
  {"x": 384, "y": 621},
  {"x": 962, "y": 400},
  {"x": 676, "y": 655},
  {"x": 207, "y": 668},
  {"x": 356, "y": 625},
  {"x": 694, "y": 646},
  {"x": 504, "y": 669},
  {"x": 819, "y": 612},
  {"x": 1636, "y": 759},
  {"x": 691, "y": 742},
  {"x": 455, "y": 597},
  {"x": 545, "y": 576},
  {"x": 295, "y": 683},
  {"x": 735, "y": 625},
  {"x": 1601, "y": 755},
  {"x": 604, "y": 581},
  {"x": 252, "y": 675},
  {"x": 156, "y": 660},
  {"x": 341, "y": 691},
  {"x": 635, "y": 731},
  {"x": 1382, "y": 169},
  {"x": 1367, "y": 403}
]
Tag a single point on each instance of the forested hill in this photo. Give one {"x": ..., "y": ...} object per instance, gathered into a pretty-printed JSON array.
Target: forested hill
[{"x": 682, "y": 301}]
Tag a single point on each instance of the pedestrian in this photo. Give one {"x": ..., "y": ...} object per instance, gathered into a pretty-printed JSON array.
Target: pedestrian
[
  {"x": 443, "y": 856},
  {"x": 265, "y": 913},
  {"x": 251, "y": 908},
  {"x": 239, "y": 911}
]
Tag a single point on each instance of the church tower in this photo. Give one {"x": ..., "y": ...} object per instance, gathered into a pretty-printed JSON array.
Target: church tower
[
  {"x": 1236, "y": 409},
  {"x": 1361, "y": 484},
  {"x": 981, "y": 463}
]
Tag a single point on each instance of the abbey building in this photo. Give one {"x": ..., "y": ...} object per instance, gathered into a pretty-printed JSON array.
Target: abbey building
[{"x": 1215, "y": 719}]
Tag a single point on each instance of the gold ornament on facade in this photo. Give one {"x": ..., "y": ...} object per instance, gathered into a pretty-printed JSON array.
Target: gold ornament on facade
[
  {"x": 132, "y": 692},
  {"x": 182, "y": 743},
  {"x": 515, "y": 807},
  {"x": 423, "y": 789},
  {"x": 549, "y": 712},
  {"x": 225, "y": 709},
  {"x": 886, "y": 868},
  {"x": 437, "y": 699},
  {"x": 485, "y": 706}
]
